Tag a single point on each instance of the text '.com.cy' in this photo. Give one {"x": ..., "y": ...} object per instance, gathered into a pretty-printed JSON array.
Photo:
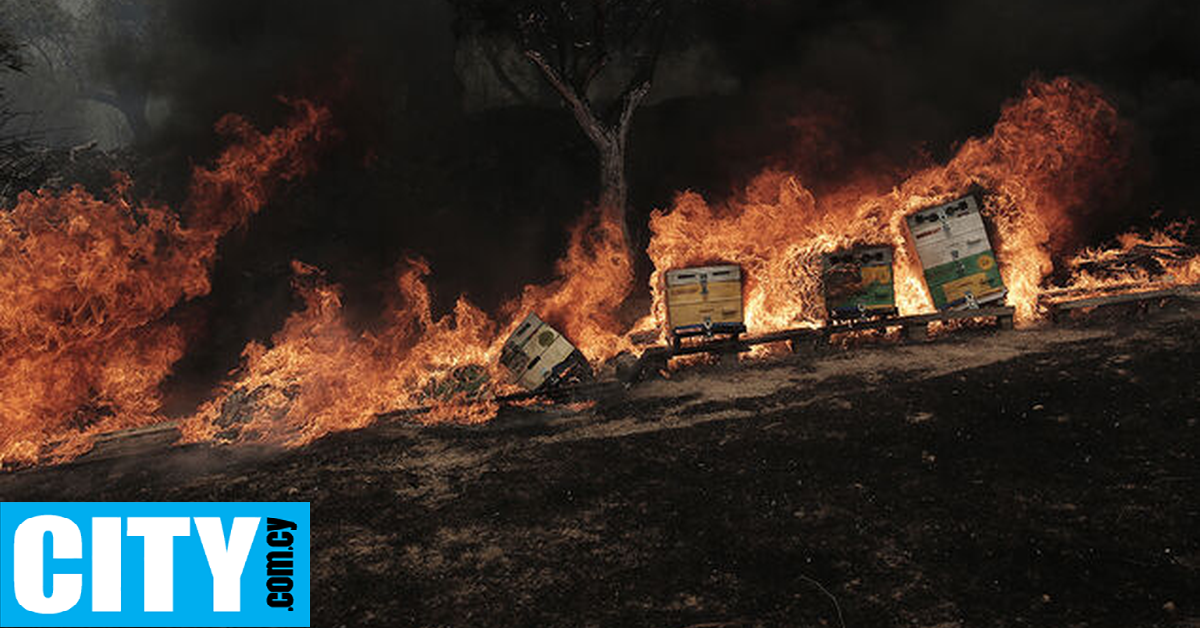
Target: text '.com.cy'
[{"x": 154, "y": 564}]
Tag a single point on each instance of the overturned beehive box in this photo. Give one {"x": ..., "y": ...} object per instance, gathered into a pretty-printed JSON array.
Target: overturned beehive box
[
  {"x": 537, "y": 356},
  {"x": 858, "y": 283},
  {"x": 704, "y": 301},
  {"x": 959, "y": 265}
]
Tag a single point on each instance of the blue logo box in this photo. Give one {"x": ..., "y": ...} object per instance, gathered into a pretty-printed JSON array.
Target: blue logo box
[{"x": 154, "y": 564}]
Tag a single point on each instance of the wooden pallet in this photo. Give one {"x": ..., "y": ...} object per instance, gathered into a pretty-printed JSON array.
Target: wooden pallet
[
  {"x": 916, "y": 328},
  {"x": 1062, "y": 308},
  {"x": 125, "y": 442}
]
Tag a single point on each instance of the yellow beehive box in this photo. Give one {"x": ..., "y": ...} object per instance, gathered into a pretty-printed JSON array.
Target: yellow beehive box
[
  {"x": 705, "y": 300},
  {"x": 537, "y": 356}
]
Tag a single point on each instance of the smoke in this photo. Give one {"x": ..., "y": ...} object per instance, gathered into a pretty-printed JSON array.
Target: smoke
[
  {"x": 440, "y": 159},
  {"x": 419, "y": 91},
  {"x": 892, "y": 84}
]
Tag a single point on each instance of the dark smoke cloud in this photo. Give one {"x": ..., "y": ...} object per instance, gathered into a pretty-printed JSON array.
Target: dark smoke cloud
[
  {"x": 828, "y": 89},
  {"x": 893, "y": 78}
]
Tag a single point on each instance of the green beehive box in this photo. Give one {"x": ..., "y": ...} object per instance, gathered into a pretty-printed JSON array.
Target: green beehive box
[
  {"x": 858, "y": 282},
  {"x": 960, "y": 266}
]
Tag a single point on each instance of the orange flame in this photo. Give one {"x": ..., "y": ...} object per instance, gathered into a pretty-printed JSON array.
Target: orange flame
[
  {"x": 1138, "y": 263},
  {"x": 1047, "y": 153},
  {"x": 593, "y": 281},
  {"x": 318, "y": 376},
  {"x": 85, "y": 284}
]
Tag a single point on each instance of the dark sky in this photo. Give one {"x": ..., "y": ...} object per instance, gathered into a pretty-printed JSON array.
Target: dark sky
[{"x": 895, "y": 79}]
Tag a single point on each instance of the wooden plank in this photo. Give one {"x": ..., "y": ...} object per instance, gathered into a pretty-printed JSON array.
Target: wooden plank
[
  {"x": 950, "y": 315},
  {"x": 139, "y": 432},
  {"x": 716, "y": 346},
  {"x": 800, "y": 337},
  {"x": 809, "y": 344},
  {"x": 881, "y": 323},
  {"x": 122, "y": 443},
  {"x": 1189, "y": 292}
]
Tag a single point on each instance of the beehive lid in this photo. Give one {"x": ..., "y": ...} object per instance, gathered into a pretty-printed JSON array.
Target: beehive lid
[{"x": 722, "y": 272}]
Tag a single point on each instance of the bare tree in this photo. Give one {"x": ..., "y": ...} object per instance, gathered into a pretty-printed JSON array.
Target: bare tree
[{"x": 598, "y": 56}]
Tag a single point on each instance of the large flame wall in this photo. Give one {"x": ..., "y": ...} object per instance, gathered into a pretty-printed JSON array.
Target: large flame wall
[
  {"x": 85, "y": 283},
  {"x": 1051, "y": 150}
]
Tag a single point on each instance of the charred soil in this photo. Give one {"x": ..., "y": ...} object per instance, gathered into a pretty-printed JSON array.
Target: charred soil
[{"x": 992, "y": 478}]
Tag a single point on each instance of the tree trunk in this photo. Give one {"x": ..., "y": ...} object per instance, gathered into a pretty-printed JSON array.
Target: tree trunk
[
  {"x": 609, "y": 138},
  {"x": 614, "y": 190}
]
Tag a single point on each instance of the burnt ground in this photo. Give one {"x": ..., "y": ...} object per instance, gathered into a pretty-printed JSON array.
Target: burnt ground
[{"x": 1037, "y": 478}]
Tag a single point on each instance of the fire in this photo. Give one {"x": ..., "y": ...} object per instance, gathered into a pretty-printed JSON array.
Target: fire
[
  {"x": 1138, "y": 263},
  {"x": 319, "y": 376},
  {"x": 86, "y": 283},
  {"x": 1049, "y": 152},
  {"x": 594, "y": 280}
]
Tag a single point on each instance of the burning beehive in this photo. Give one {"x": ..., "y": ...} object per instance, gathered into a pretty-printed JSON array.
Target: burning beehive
[
  {"x": 89, "y": 343},
  {"x": 952, "y": 244},
  {"x": 706, "y": 300},
  {"x": 858, "y": 282},
  {"x": 537, "y": 356}
]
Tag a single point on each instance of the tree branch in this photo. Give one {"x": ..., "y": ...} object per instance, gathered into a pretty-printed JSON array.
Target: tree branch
[
  {"x": 593, "y": 71},
  {"x": 632, "y": 99},
  {"x": 576, "y": 102}
]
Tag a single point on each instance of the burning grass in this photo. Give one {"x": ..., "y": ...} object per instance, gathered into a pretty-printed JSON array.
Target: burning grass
[{"x": 86, "y": 282}]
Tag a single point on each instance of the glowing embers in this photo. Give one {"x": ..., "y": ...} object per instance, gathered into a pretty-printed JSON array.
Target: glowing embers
[{"x": 952, "y": 244}]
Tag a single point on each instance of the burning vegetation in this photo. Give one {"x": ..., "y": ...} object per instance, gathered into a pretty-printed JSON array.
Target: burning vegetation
[
  {"x": 1050, "y": 149},
  {"x": 320, "y": 376},
  {"x": 86, "y": 283}
]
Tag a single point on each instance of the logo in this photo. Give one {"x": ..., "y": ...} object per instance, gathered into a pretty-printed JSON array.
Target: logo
[
  {"x": 154, "y": 564},
  {"x": 985, "y": 262}
]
